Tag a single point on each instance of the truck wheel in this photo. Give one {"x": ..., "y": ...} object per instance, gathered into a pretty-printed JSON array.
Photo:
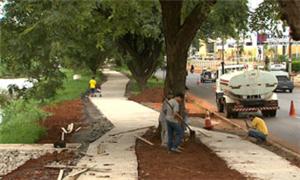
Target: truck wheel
[
  {"x": 291, "y": 90},
  {"x": 220, "y": 106},
  {"x": 228, "y": 110},
  {"x": 272, "y": 113},
  {"x": 265, "y": 113},
  {"x": 235, "y": 114}
]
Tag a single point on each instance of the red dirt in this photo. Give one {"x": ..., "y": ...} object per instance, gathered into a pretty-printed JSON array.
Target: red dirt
[
  {"x": 62, "y": 114},
  {"x": 196, "y": 162},
  {"x": 153, "y": 95},
  {"x": 153, "y": 98},
  {"x": 35, "y": 168}
]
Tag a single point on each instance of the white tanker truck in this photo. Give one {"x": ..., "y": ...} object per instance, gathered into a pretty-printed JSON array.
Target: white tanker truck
[{"x": 240, "y": 89}]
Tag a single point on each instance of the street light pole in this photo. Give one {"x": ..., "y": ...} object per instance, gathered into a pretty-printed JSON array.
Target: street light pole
[
  {"x": 290, "y": 57},
  {"x": 222, "y": 63}
]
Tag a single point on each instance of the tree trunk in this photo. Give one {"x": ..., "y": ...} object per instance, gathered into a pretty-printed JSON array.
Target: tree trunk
[
  {"x": 142, "y": 82},
  {"x": 176, "y": 71},
  {"x": 179, "y": 34}
]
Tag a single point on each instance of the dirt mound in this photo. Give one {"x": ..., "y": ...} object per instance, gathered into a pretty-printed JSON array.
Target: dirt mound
[
  {"x": 196, "y": 162},
  {"x": 154, "y": 95},
  {"x": 62, "y": 114},
  {"x": 35, "y": 168}
]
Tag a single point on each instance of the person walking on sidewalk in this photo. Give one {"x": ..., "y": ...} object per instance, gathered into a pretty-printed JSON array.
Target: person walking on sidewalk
[
  {"x": 258, "y": 128},
  {"x": 92, "y": 86},
  {"x": 174, "y": 123}
]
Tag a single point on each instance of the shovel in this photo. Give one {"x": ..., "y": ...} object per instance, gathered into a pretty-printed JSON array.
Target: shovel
[{"x": 192, "y": 132}]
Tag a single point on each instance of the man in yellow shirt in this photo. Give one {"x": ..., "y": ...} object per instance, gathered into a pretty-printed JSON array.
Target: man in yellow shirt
[
  {"x": 258, "y": 128},
  {"x": 92, "y": 86}
]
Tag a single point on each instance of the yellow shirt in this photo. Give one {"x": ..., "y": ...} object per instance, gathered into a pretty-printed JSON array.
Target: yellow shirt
[
  {"x": 92, "y": 84},
  {"x": 260, "y": 125}
]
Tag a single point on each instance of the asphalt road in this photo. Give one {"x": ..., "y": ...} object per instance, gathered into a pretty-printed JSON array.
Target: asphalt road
[{"x": 283, "y": 128}]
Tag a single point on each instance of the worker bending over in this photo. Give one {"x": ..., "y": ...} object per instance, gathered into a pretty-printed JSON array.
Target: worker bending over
[{"x": 258, "y": 128}]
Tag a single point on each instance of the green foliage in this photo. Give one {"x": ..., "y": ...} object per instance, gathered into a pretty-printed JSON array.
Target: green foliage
[
  {"x": 226, "y": 19},
  {"x": 72, "y": 89},
  {"x": 4, "y": 99},
  {"x": 266, "y": 18},
  {"x": 21, "y": 122},
  {"x": 137, "y": 31},
  {"x": 33, "y": 36},
  {"x": 296, "y": 66},
  {"x": 153, "y": 82}
]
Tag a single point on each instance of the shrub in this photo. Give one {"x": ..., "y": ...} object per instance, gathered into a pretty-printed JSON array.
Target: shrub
[
  {"x": 4, "y": 99},
  {"x": 20, "y": 122},
  {"x": 296, "y": 66}
]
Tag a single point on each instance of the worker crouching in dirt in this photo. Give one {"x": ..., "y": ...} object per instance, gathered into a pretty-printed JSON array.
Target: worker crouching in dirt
[
  {"x": 173, "y": 119},
  {"x": 258, "y": 129}
]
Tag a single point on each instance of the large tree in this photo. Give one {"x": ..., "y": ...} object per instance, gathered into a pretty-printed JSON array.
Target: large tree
[
  {"x": 136, "y": 29},
  {"x": 32, "y": 39},
  {"x": 181, "y": 21}
]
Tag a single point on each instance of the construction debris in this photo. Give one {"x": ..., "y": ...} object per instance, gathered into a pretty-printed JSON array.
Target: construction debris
[
  {"x": 79, "y": 167},
  {"x": 60, "y": 175},
  {"x": 132, "y": 130},
  {"x": 144, "y": 140}
]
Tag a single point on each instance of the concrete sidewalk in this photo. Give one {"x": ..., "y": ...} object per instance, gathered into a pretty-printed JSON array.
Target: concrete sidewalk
[
  {"x": 248, "y": 158},
  {"x": 115, "y": 155}
]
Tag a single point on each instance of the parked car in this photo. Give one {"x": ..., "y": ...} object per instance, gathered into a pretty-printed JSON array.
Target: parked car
[
  {"x": 284, "y": 82},
  {"x": 207, "y": 76}
]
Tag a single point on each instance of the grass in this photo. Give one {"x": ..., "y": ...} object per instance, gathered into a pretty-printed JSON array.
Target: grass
[
  {"x": 123, "y": 69},
  {"x": 21, "y": 118},
  {"x": 134, "y": 88},
  {"x": 153, "y": 82},
  {"x": 21, "y": 122},
  {"x": 72, "y": 89}
]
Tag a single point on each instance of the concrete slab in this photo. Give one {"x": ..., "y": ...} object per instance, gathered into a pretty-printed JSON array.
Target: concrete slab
[
  {"x": 117, "y": 153},
  {"x": 248, "y": 158}
]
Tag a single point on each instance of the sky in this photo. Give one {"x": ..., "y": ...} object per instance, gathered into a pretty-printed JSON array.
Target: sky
[{"x": 253, "y": 4}]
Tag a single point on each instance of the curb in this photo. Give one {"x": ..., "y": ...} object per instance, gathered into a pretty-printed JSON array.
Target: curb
[{"x": 270, "y": 140}]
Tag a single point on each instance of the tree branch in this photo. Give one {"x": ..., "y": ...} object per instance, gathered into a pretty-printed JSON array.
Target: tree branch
[
  {"x": 192, "y": 23},
  {"x": 171, "y": 16}
]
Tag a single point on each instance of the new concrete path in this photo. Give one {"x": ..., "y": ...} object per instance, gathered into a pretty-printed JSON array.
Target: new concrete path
[
  {"x": 115, "y": 155},
  {"x": 115, "y": 158},
  {"x": 248, "y": 158}
]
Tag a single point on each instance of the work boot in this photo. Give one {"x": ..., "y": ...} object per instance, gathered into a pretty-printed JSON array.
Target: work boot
[{"x": 176, "y": 150}]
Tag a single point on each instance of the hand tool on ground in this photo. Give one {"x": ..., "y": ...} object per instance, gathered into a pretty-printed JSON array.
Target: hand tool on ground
[{"x": 192, "y": 132}]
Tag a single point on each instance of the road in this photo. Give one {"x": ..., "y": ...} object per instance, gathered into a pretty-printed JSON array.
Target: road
[{"x": 283, "y": 128}]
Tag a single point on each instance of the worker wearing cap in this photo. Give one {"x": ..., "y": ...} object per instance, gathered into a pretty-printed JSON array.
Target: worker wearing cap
[{"x": 258, "y": 128}]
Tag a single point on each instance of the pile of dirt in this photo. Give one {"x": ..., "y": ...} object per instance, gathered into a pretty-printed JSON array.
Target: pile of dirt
[
  {"x": 195, "y": 162},
  {"x": 83, "y": 114},
  {"x": 153, "y": 95},
  {"x": 35, "y": 168},
  {"x": 62, "y": 114}
]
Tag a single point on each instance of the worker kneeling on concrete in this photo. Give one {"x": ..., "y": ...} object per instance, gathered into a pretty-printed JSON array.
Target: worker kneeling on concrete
[{"x": 258, "y": 128}]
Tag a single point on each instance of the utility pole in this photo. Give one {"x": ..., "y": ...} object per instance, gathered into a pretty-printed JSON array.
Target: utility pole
[
  {"x": 290, "y": 57},
  {"x": 222, "y": 63}
]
